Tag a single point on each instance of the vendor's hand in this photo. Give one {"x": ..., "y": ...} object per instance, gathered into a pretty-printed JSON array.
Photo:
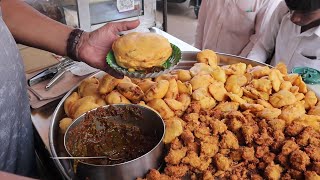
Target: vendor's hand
[{"x": 94, "y": 46}]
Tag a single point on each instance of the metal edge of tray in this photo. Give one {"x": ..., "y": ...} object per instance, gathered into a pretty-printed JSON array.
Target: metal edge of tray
[{"x": 187, "y": 63}]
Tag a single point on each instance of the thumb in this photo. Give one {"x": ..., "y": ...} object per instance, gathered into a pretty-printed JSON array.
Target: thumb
[{"x": 126, "y": 25}]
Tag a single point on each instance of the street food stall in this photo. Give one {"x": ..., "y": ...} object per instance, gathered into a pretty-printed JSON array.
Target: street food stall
[{"x": 225, "y": 116}]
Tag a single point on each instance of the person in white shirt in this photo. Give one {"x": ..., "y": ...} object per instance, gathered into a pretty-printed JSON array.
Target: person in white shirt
[
  {"x": 232, "y": 26},
  {"x": 292, "y": 35}
]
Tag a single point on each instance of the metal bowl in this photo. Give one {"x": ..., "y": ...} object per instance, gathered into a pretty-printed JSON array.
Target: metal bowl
[{"x": 149, "y": 122}]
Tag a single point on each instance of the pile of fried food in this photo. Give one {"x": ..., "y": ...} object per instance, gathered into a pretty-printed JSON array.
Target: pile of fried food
[{"x": 230, "y": 122}]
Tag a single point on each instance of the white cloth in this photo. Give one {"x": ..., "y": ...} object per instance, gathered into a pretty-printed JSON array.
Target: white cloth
[
  {"x": 293, "y": 48},
  {"x": 232, "y": 26}
]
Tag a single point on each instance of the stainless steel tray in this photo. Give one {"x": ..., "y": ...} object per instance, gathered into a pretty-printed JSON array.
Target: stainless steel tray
[{"x": 56, "y": 137}]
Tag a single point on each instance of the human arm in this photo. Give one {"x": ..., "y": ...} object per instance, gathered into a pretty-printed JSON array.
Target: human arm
[
  {"x": 264, "y": 47},
  {"x": 201, "y": 23},
  {"x": 30, "y": 27}
]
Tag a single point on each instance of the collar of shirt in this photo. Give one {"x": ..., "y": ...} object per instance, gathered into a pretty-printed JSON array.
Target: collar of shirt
[{"x": 308, "y": 33}]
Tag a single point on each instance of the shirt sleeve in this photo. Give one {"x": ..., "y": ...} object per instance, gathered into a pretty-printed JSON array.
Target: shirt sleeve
[
  {"x": 264, "y": 47},
  {"x": 201, "y": 23}
]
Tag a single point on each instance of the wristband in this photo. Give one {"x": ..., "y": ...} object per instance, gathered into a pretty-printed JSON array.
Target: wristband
[{"x": 72, "y": 42}]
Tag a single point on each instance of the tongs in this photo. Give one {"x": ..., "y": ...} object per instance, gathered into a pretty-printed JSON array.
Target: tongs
[{"x": 54, "y": 72}]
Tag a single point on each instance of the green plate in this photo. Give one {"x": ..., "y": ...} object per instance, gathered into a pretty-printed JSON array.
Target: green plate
[
  {"x": 169, "y": 65},
  {"x": 309, "y": 75}
]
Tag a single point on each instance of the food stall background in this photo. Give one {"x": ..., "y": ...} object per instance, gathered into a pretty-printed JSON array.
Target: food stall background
[{"x": 89, "y": 15}]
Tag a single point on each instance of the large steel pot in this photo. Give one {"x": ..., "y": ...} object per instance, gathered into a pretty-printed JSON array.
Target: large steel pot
[
  {"x": 149, "y": 122},
  {"x": 56, "y": 137}
]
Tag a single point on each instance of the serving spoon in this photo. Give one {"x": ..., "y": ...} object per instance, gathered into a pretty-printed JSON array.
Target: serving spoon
[{"x": 95, "y": 157}]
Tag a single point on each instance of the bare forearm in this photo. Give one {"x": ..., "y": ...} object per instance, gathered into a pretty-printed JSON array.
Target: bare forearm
[{"x": 30, "y": 27}]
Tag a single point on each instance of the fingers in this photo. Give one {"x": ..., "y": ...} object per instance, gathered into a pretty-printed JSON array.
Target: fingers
[{"x": 126, "y": 25}]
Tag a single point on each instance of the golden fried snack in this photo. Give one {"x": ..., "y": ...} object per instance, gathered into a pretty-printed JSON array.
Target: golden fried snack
[
  {"x": 175, "y": 106},
  {"x": 69, "y": 102},
  {"x": 273, "y": 171},
  {"x": 289, "y": 146},
  {"x": 237, "y": 69},
  {"x": 155, "y": 175},
  {"x": 310, "y": 100},
  {"x": 309, "y": 120},
  {"x": 173, "y": 90},
  {"x": 234, "y": 84},
  {"x": 116, "y": 98},
  {"x": 236, "y": 98},
  {"x": 315, "y": 110},
  {"x": 89, "y": 87},
  {"x": 184, "y": 75},
  {"x": 269, "y": 113},
  {"x": 282, "y": 68},
  {"x": 79, "y": 103},
  {"x": 101, "y": 102},
  {"x": 84, "y": 107},
  {"x": 207, "y": 103},
  {"x": 277, "y": 124},
  {"x": 174, "y": 171},
  {"x": 282, "y": 98},
  {"x": 160, "y": 106},
  {"x": 299, "y": 160},
  {"x": 311, "y": 175},
  {"x": 299, "y": 96},
  {"x": 252, "y": 107},
  {"x": 285, "y": 85},
  {"x": 108, "y": 83},
  {"x": 229, "y": 141},
  {"x": 201, "y": 81},
  {"x": 276, "y": 79},
  {"x": 196, "y": 162},
  {"x": 255, "y": 94},
  {"x": 264, "y": 103},
  {"x": 302, "y": 86},
  {"x": 184, "y": 87},
  {"x": 204, "y": 98},
  {"x": 200, "y": 93},
  {"x": 130, "y": 91},
  {"x": 137, "y": 80},
  {"x": 222, "y": 162},
  {"x": 294, "y": 89},
  {"x": 140, "y": 51},
  {"x": 200, "y": 69},
  {"x": 227, "y": 106},
  {"x": 175, "y": 156},
  {"x": 218, "y": 91},
  {"x": 219, "y": 74},
  {"x": 292, "y": 112},
  {"x": 259, "y": 71},
  {"x": 64, "y": 124},
  {"x": 291, "y": 77},
  {"x": 185, "y": 99},
  {"x": 208, "y": 57},
  {"x": 173, "y": 129},
  {"x": 157, "y": 91},
  {"x": 249, "y": 100},
  {"x": 263, "y": 85},
  {"x": 146, "y": 84},
  {"x": 166, "y": 77}
]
